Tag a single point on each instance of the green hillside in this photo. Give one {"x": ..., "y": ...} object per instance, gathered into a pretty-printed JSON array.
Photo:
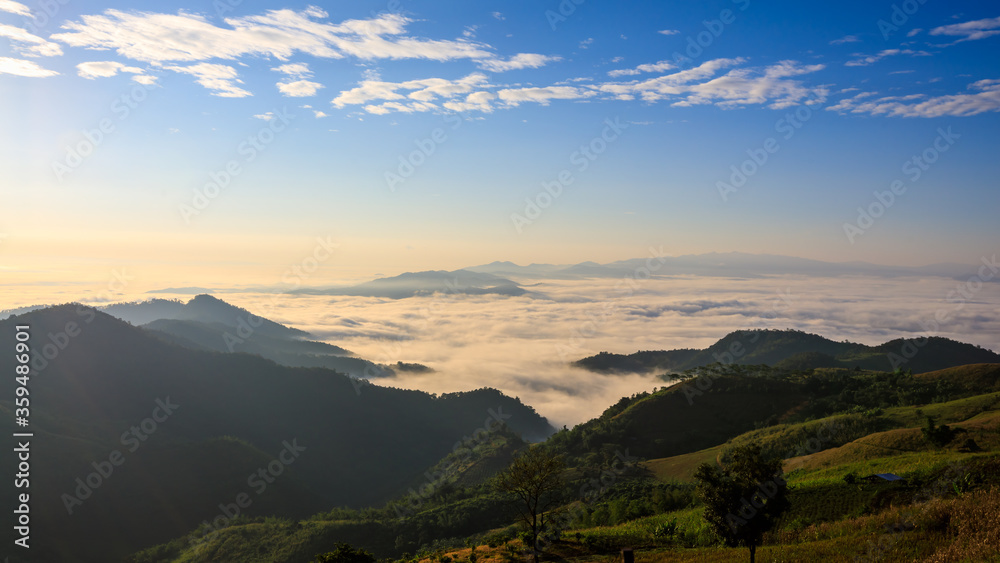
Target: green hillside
[{"x": 833, "y": 428}]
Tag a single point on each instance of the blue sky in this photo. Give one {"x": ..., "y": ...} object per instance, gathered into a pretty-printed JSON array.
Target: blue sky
[{"x": 330, "y": 99}]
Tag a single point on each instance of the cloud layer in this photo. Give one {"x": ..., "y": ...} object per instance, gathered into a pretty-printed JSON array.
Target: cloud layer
[{"x": 521, "y": 345}]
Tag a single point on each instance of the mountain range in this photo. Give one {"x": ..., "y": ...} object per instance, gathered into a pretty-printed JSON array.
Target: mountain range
[
  {"x": 192, "y": 427},
  {"x": 796, "y": 350},
  {"x": 494, "y": 278}
]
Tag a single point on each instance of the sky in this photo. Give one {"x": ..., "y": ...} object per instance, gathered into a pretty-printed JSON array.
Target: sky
[{"x": 219, "y": 143}]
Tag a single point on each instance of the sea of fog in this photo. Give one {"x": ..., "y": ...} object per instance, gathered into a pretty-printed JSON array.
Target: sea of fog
[{"x": 523, "y": 345}]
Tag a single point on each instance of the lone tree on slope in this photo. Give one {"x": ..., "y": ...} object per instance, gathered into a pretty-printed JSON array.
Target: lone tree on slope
[
  {"x": 534, "y": 478},
  {"x": 744, "y": 499}
]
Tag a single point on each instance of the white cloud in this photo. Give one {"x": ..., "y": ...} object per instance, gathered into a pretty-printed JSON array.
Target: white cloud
[
  {"x": 20, "y": 67},
  {"x": 517, "y": 96},
  {"x": 865, "y": 60},
  {"x": 743, "y": 86},
  {"x": 913, "y": 31},
  {"x": 772, "y": 85},
  {"x": 985, "y": 99},
  {"x": 654, "y": 67},
  {"x": 221, "y": 79},
  {"x": 295, "y": 70},
  {"x": 846, "y": 39},
  {"x": 299, "y": 88},
  {"x": 144, "y": 79},
  {"x": 519, "y": 61},
  {"x": 669, "y": 31},
  {"x": 185, "y": 37},
  {"x": 420, "y": 92},
  {"x": 319, "y": 114},
  {"x": 586, "y": 42},
  {"x": 477, "y": 101},
  {"x": 267, "y": 116},
  {"x": 104, "y": 69},
  {"x": 498, "y": 15},
  {"x": 970, "y": 31},
  {"x": 28, "y": 44},
  {"x": 14, "y": 8}
]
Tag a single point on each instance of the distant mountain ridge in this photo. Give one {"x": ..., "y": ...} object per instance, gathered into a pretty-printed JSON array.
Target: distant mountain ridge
[
  {"x": 494, "y": 277},
  {"x": 211, "y": 324},
  {"x": 412, "y": 284},
  {"x": 794, "y": 349},
  {"x": 725, "y": 264},
  {"x": 202, "y": 308}
]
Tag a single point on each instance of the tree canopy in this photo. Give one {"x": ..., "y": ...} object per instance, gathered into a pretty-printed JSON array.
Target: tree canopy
[{"x": 744, "y": 499}]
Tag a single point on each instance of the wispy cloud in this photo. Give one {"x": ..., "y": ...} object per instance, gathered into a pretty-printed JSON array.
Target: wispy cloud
[
  {"x": 865, "y": 60},
  {"x": 20, "y": 67},
  {"x": 29, "y": 45},
  {"x": 14, "y": 8},
  {"x": 650, "y": 67},
  {"x": 772, "y": 85},
  {"x": 986, "y": 98},
  {"x": 970, "y": 31},
  {"x": 846, "y": 39},
  {"x": 517, "y": 96},
  {"x": 104, "y": 69},
  {"x": 669, "y": 31},
  {"x": 221, "y": 79},
  {"x": 519, "y": 61},
  {"x": 145, "y": 36}
]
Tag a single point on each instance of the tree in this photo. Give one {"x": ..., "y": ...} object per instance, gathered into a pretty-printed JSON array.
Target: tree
[
  {"x": 534, "y": 479},
  {"x": 344, "y": 553},
  {"x": 940, "y": 436},
  {"x": 744, "y": 499}
]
